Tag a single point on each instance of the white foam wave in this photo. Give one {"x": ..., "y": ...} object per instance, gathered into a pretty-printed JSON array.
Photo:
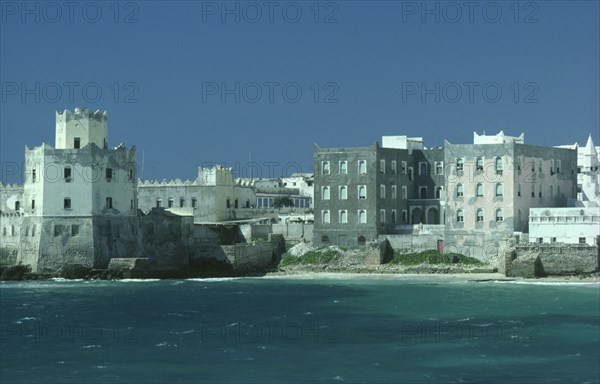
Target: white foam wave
[{"x": 138, "y": 280}]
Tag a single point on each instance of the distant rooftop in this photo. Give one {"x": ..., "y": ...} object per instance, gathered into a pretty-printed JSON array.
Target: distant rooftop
[{"x": 499, "y": 138}]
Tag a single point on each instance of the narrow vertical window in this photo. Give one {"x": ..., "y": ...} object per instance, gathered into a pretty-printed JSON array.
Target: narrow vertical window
[{"x": 77, "y": 143}]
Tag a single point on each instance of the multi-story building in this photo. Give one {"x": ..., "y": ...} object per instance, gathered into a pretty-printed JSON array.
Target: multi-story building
[
  {"x": 361, "y": 193},
  {"x": 78, "y": 203},
  {"x": 580, "y": 222},
  {"x": 477, "y": 192},
  {"x": 214, "y": 196}
]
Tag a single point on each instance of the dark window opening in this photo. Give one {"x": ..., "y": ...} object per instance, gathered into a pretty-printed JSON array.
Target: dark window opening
[
  {"x": 68, "y": 174},
  {"x": 77, "y": 143},
  {"x": 109, "y": 174},
  {"x": 67, "y": 203},
  {"x": 109, "y": 202},
  {"x": 74, "y": 230}
]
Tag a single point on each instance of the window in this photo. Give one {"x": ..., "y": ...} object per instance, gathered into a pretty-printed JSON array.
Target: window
[
  {"x": 67, "y": 203},
  {"x": 17, "y": 205},
  {"x": 382, "y": 216},
  {"x": 74, "y": 230},
  {"x": 325, "y": 193},
  {"x": 343, "y": 167},
  {"x": 460, "y": 165},
  {"x": 479, "y": 215},
  {"x": 553, "y": 239},
  {"x": 109, "y": 174},
  {"x": 499, "y": 166},
  {"x": 67, "y": 174},
  {"x": 343, "y": 216},
  {"x": 499, "y": 215},
  {"x": 382, "y": 191},
  {"x": 109, "y": 202},
  {"x": 325, "y": 168},
  {"x": 499, "y": 189},
  {"x": 423, "y": 169},
  {"x": 404, "y": 216},
  {"x": 552, "y": 191},
  {"x": 343, "y": 192},
  {"x": 552, "y": 167},
  {"x": 479, "y": 164},
  {"x": 33, "y": 175},
  {"x": 58, "y": 229},
  {"x": 227, "y": 203},
  {"x": 438, "y": 193},
  {"x": 518, "y": 189},
  {"x": 33, "y": 230},
  {"x": 382, "y": 166},
  {"x": 194, "y": 202},
  {"x": 33, "y": 204},
  {"x": 393, "y": 166},
  {"x": 439, "y": 168},
  {"x": 393, "y": 216},
  {"x": 582, "y": 240},
  {"x": 532, "y": 190},
  {"x": 404, "y": 192},
  {"x": 324, "y": 238},
  {"x": 158, "y": 203},
  {"x": 170, "y": 203},
  {"x": 540, "y": 240},
  {"x": 362, "y": 167},
  {"x": 422, "y": 192},
  {"x": 411, "y": 172},
  {"x": 460, "y": 190},
  {"x": 404, "y": 168},
  {"x": 325, "y": 217},
  {"x": 130, "y": 174},
  {"x": 460, "y": 217},
  {"x": 131, "y": 204},
  {"x": 77, "y": 143},
  {"x": 181, "y": 202},
  {"x": 362, "y": 191},
  {"x": 479, "y": 189},
  {"x": 394, "y": 192},
  {"x": 362, "y": 216}
]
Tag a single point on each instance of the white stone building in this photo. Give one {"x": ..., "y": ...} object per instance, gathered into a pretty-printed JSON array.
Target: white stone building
[
  {"x": 78, "y": 203},
  {"x": 579, "y": 222},
  {"x": 214, "y": 196}
]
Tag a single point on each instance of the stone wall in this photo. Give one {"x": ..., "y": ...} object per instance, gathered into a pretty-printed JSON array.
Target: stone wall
[{"x": 558, "y": 259}]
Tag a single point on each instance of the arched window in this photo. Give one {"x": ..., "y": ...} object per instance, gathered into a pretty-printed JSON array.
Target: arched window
[
  {"x": 325, "y": 217},
  {"x": 479, "y": 215},
  {"x": 362, "y": 191},
  {"x": 479, "y": 189},
  {"x": 460, "y": 190},
  {"x": 460, "y": 164},
  {"x": 362, "y": 167},
  {"x": 499, "y": 189},
  {"x": 479, "y": 164},
  {"x": 343, "y": 192},
  {"x": 343, "y": 217},
  {"x": 499, "y": 166},
  {"x": 362, "y": 216},
  {"x": 326, "y": 193},
  {"x": 499, "y": 215},
  {"x": 460, "y": 216}
]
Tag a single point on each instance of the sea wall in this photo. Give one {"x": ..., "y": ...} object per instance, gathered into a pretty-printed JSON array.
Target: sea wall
[{"x": 557, "y": 259}]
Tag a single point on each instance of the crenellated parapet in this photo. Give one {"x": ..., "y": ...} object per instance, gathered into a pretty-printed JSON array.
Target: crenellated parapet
[
  {"x": 166, "y": 183},
  {"x": 11, "y": 186},
  {"x": 82, "y": 113}
]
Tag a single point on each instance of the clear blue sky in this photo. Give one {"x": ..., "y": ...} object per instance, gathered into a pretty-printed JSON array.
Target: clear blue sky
[{"x": 173, "y": 63}]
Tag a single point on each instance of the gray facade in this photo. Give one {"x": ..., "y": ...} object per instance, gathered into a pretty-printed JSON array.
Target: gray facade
[{"x": 473, "y": 194}]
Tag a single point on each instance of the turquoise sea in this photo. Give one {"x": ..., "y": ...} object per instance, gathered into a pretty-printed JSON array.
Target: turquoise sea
[{"x": 322, "y": 330}]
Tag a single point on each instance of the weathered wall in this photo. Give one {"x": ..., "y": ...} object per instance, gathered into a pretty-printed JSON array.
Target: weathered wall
[{"x": 529, "y": 260}]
